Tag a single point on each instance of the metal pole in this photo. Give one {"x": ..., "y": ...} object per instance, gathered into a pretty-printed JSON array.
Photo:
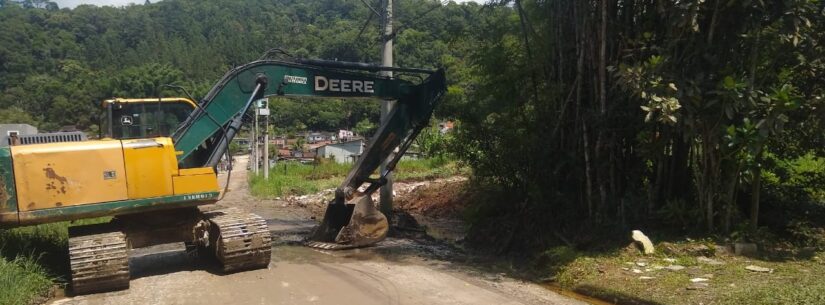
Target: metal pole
[
  {"x": 257, "y": 153},
  {"x": 386, "y": 106},
  {"x": 266, "y": 142}
]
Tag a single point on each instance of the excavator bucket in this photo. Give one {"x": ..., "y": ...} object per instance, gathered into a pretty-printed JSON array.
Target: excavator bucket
[{"x": 351, "y": 225}]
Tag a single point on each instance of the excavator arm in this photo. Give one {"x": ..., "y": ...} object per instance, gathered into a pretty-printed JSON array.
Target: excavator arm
[{"x": 351, "y": 219}]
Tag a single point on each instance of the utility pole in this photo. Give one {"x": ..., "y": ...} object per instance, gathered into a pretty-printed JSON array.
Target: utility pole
[
  {"x": 255, "y": 153},
  {"x": 265, "y": 113},
  {"x": 386, "y": 106}
]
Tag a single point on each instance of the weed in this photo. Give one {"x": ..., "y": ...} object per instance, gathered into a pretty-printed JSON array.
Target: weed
[
  {"x": 292, "y": 178},
  {"x": 22, "y": 281},
  {"x": 32, "y": 258}
]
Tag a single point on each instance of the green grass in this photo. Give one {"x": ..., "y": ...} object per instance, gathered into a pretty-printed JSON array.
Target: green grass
[
  {"x": 34, "y": 258},
  {"x": 292, "y": 178},
  {"x": 22, "y": 281},
  {"x": 601, "y": 275}
]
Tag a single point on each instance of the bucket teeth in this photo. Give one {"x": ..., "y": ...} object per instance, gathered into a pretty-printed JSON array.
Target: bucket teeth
[
  {"x": 99, "y": 262},
  {"x": 241, "y": 241}
]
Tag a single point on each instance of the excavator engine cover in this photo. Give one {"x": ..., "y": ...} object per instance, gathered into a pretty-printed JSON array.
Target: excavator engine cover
[{"x": 354, "y": 224}]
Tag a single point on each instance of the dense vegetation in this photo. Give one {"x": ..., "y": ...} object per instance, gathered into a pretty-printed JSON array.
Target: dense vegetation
[{"x": 702, "y": 115}]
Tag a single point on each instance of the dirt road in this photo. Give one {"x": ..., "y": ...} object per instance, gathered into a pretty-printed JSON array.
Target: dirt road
[{"x": 399, "y": 271}]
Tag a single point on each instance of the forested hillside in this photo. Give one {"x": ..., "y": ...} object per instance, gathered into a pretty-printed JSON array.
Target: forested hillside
[
  {"x": 705, "y": 116},
  {"x": 57, "y": 64}
]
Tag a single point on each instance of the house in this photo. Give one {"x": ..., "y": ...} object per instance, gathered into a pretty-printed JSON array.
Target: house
[
  {"x": 342, "y": 152},
  {"x": 279, "y": 141},
  {"x": 298, "y": 154},
  {"x": 315, "y": 146},
  {"x": 16, "y": 130},
  {"x": 315, "y": 137},
  {"x": 345, "y": 135},
  {"x": 284, "y": 153}
]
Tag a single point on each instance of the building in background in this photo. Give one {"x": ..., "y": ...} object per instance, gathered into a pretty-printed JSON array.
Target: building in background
[
  {"x": 341, "y": 152},
  {"x": 317, "y": 137},
  {"x": 14, "y": 130},
  {"x": 345, "y": 135}
]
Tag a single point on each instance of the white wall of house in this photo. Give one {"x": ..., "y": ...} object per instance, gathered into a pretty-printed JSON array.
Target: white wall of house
[{"x": 342, "y": 152}]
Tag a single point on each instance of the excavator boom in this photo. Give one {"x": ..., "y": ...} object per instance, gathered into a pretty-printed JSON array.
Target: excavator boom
[{"x": 349, "y": 221}]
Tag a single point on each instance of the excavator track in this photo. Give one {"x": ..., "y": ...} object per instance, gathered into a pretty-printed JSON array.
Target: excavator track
[
  {"x": 99, "y": 262},
  {"x": 240, "y": 240}
]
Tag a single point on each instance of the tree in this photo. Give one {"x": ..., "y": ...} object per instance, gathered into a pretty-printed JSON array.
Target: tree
[
  {"x": 365, "y": 127},
  {"x": 16, "y": 115}
]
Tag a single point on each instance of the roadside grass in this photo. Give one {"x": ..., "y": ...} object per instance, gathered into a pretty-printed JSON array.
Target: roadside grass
[
  {"x": 610, "y": 276},
  {"x": 22, "y": 281},
  {"x": 293, "y": 178},
  {"x": 33, "y": 259}
]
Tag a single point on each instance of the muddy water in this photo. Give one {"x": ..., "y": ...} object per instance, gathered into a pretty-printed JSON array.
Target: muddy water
[{"x": 572, "y": 294}]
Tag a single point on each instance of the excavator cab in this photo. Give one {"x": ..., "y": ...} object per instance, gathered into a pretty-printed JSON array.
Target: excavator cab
[{"x": 133, "y": 118}]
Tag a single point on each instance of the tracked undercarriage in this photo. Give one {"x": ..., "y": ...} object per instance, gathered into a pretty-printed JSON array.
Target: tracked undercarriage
[
  {"x": 99, "y": 254},
  {"x": 240, "y": 241}
]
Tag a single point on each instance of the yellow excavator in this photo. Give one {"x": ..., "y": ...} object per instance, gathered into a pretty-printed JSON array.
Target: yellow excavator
[{"x": 153, "y": 185}]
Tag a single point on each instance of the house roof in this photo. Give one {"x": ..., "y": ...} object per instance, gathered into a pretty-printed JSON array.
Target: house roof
[{"x": 342, "y": 143}]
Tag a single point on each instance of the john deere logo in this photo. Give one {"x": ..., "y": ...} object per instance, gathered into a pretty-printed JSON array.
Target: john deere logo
[
  {"x": 126, "y": 120},
  {"x": 343, "y": 85}
]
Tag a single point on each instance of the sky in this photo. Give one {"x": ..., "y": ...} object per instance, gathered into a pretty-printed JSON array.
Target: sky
[{"x": 73, "y": 3}]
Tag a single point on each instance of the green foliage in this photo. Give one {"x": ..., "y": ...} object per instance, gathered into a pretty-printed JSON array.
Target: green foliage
[
  {"x": 293, "y": 178},
  {"x": 57, "y": 65},
  {"x": 365, "y": 127},
  {"x": 22, "y": 281},
  {"x": 581, "y": 109},
  {"x": 432, "y": 143},
  {"x": 15, "y": 115},
  {"x": 31, "y": 258},
  {"x": 235, "y": 148}
]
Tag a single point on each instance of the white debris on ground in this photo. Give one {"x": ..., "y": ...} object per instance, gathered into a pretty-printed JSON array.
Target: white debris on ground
[
  {"x": 645, "y": 242},
  {"x": 755, "y": 268}
]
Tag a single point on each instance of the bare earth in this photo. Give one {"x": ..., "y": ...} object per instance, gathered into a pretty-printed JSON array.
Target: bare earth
[{"x": 398, "y": 271}]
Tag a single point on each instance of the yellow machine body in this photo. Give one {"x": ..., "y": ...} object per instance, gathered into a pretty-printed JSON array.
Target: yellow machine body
[
  {"x": 66, "y": 174},
  {"x": 59, "y": 181}
]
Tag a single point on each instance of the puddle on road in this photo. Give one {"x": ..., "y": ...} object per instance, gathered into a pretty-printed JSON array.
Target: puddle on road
[
  {"x": 392, "y": 250},
  {"x": 574, "y": 295}
]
